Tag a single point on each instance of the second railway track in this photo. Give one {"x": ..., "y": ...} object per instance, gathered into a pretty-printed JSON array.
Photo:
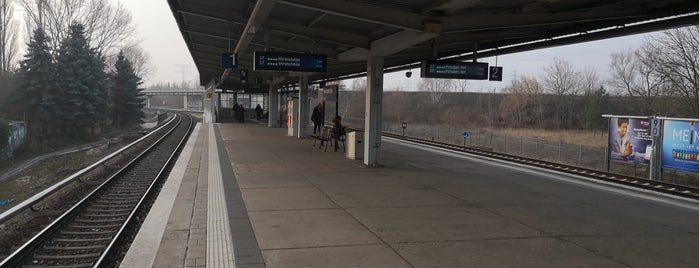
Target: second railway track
[{"x": 646, "y": 184}]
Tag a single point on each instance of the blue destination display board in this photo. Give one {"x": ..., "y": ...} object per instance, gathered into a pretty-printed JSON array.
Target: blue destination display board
[
  {"x": 291, "y": 62},
  {"x": 454, "y": 70}
]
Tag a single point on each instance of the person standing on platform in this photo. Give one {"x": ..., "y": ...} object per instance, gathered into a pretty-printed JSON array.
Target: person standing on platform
[
  {"x": 241, "y": 114},
  {"x": 236, "y": 108},
  {"x": 317, "y": 118},
  {"x": 258, "y": 111},
  {"x": 338, "y": 130}
]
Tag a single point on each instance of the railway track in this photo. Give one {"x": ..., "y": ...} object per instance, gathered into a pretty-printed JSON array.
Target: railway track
[
  {"x": 89, "y": 233},
  {"x": 646, "y": 184}
]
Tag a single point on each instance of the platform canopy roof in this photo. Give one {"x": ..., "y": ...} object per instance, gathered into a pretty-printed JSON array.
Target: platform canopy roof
[{"x": 403, "y": 32}]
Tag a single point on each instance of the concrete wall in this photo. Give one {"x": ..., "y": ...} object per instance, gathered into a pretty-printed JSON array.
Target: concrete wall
[{"x": 17, "y": 137}]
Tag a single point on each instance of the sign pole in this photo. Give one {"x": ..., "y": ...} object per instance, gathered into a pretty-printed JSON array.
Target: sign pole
[
  {"x": 606, "y": 150},
  {"x": 337, "y": 109},
  {"x": 655, "y": 161},
  {"x": 465, "y": 135}
]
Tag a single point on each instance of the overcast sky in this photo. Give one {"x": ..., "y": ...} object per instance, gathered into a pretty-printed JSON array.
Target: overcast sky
[{"x": 157, "y": 28}]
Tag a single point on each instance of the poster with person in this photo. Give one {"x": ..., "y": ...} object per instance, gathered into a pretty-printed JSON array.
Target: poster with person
[
  {"x": 681, "y": 145},
  {"x": 630, "y": 140}
]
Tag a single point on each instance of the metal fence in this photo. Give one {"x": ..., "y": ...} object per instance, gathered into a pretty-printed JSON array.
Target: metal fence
[{"x": 548, "y": 150}]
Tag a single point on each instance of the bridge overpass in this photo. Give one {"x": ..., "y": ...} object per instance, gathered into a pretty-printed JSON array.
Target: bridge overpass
[{"x": 186, "y": 93}]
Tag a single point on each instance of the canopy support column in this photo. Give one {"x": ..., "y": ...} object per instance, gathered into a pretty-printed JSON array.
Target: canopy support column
[{"x": 374, "y": 101}]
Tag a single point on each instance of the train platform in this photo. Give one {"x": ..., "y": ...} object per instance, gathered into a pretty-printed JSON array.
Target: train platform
[{"x": 245, "y": 195}]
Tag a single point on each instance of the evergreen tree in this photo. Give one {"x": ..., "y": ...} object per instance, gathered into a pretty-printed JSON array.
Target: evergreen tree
[
  {"x": 126, "y": 102},
  {"x": 35, "y": 91},
  {"x": 82, "y": 80},
  {"x": 594, "y": 108}
]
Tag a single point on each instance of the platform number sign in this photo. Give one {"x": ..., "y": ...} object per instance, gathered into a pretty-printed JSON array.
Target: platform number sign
[
  {"x": 229, "y": 60},
  {"x": 655, "y": 127},
  {"x": 495, "y": 73}
]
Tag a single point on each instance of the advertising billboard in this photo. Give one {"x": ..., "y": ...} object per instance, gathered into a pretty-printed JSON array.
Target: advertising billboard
[
  {"x": 630, "y": 140},
  {"x": 681, "y": 145}
]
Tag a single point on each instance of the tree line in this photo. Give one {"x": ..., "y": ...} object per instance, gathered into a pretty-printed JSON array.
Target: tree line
[
  {"x": 660, "y": 78},
  {"x": 68, "y": 92},
  {"x": 80, "y": 74}
]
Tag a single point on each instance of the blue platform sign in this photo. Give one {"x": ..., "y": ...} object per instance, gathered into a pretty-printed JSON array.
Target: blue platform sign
[
  {"x": 292, "y": 62},
  {"x": 465, "y": 135},
  {"x": 229, "y": 60}
]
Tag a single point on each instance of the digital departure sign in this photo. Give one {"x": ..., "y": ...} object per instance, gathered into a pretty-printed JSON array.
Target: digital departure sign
[
  {"x": 291, "y": 62},
  {"x": 454, "y": 70}
]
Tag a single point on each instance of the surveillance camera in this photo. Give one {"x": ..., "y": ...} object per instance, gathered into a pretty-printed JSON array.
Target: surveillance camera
[{"x": 408, "y": 74}]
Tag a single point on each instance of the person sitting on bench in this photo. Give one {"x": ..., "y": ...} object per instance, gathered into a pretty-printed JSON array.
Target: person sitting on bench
[{"x": 338, "y": 130}]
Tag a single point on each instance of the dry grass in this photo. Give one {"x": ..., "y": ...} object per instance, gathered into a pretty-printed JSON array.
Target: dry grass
[{"x": 586, "y": 138}]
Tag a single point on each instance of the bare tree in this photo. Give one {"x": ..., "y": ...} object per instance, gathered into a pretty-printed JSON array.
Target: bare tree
[
  {"x": 9, "y": 31},
  {"x": 107, "y": 25},
  {"x": 436, "y": 87},
  {"x": 675, "y": 57},
  {"x": 562, "y": 81},
  {"x": 358, "y": 84},
  {"x": 634, "y": 76},
  {"x": 461, "y": 85},
  {"x": 589, "y": 81},
  {"x": 139, "y": 59},
  {"x": 520, "y": 105}
]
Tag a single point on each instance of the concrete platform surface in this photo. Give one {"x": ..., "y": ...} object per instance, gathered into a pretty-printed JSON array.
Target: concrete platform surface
[{"x": 293, "y": 205}]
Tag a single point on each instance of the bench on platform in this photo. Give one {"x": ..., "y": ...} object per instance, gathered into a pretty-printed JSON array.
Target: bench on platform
[{"x": 326, "y": 138}]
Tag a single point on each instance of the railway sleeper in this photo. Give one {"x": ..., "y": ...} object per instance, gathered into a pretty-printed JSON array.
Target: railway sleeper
[
  {"x": 143, "y": 173},
  {"x": 124, "y": 200},
  {"x": 79, "y": 265},
  {"x": 93, "y": 226},
  {"x": 108, "y": 232},
  {"x": 69, "y": 252},
  {"x": 107, "y": 214},
  {"x": 121, "y": 197},
  {"x": 79, "y": 240},
  {"x": 100, "y": 220},
  {"x": 133, "y": 180},
  {"x": 100, "y": 247},
  {"x": 67, "y": 257},
  {"x": 130, "y": 188},
  {"x": 128, "y": 194},
  {"x": 105, "y": 203},
  {"x": 108, "y": 209}
]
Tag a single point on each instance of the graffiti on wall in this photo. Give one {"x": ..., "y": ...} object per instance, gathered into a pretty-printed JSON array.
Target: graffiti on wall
[{"x": 17, "y": 137}]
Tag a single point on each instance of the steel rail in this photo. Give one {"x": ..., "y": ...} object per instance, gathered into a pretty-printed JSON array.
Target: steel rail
[
  {"x": 149, "y": 192},
  {"x": 28, "y": 247},
  {"x": 683, "y": 191},
  {"x": 5, "y": 216}
]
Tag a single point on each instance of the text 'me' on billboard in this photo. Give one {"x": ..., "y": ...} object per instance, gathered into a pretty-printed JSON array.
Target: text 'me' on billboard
[{"x": 681, "y": 145}]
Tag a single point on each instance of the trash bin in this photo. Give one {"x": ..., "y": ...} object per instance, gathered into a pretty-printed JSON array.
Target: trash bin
[{"x": 355, "y": 145}]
